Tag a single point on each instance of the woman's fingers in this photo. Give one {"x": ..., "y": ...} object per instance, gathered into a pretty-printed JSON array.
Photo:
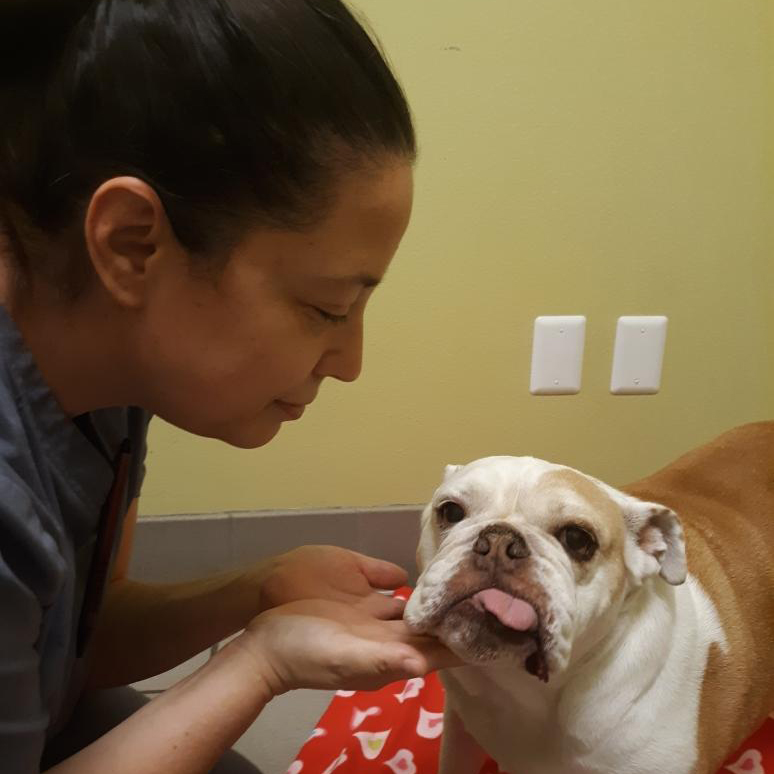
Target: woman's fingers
[
  {"x": 326, "y": 644},
  {"x": 435, "y": 654},
  {"x": 381, "y": 574},
  {"x": 375, "y": 664},
  {"x": 382, "y": 606},
  {"x": 431, "y": 652}
]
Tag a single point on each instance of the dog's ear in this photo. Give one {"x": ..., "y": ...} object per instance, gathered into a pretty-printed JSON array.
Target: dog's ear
[
  {"x": 449, "y": 470},
  {"x": 656, "y": 543}
]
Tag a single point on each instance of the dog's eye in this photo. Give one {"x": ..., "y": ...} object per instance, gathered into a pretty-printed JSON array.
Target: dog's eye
[
  {"x": 451, "y": 512},
  {"x": 578, "y": 542}
]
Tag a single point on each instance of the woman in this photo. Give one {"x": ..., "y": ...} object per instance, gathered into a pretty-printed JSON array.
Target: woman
[{"x": 197, "y": 200}]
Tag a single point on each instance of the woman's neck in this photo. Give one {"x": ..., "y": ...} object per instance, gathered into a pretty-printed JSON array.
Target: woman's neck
[{"x": 81, "y": 348}]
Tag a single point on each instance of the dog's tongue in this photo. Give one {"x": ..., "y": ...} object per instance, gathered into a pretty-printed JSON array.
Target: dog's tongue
[{"x": 510, "y": 611}]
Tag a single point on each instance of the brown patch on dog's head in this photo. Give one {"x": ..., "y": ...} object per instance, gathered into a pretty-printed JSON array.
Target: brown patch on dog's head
[{"x": 589, "y": 507}]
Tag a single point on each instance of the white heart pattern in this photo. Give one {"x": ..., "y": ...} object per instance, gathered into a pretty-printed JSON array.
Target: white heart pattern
[
  {"x": 345, "y": 694},
  {"x": 358, "y": 716},
  {"x": 335, "y": 765},
  {"x": 372, "y": 743},
  {"x": 411, "y": 689},
  {"x": 295, "y": 767},
  {"x": 402, "y": 762},
  {"x": 315, "y": 733},
  {"x": 749, "y": 763},
  {"x": 430, "y": 725}
]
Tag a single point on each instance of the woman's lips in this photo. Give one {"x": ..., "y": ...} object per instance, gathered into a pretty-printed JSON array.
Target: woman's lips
[{"x": 291, "y": 410}]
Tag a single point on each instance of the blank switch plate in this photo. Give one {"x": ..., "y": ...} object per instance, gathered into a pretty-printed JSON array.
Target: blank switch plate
[
  {"x": 639, "y": 353},
  {"x": 557, "y": 355}
]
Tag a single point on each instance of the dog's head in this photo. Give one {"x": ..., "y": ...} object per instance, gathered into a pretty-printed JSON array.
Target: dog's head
[{"x": 529, "y": 561}]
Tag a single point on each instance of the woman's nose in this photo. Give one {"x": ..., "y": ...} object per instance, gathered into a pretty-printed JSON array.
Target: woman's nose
[{"x": 343, "y": 360}]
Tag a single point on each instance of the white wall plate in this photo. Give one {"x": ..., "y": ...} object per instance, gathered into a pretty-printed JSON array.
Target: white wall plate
[
  {"x": 557, "y": 355},
  {"x": 638, "y": 356}
]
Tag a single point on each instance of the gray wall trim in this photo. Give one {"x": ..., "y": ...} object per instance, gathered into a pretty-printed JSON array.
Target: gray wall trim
[{"x": 183, "y": 546}]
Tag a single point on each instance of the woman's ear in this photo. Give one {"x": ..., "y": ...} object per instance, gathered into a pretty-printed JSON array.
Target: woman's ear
[{"x": 126, "y": 228}]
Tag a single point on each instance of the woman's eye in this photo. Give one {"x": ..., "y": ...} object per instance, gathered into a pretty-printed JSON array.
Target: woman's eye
[
  {"x": 579, "y": 543},
  {"x": 451, "y": 512},
  {"x": 335, "y": 319}
]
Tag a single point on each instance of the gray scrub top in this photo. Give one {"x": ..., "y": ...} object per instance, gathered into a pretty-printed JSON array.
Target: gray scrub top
[{"x": 55, "y": 473}]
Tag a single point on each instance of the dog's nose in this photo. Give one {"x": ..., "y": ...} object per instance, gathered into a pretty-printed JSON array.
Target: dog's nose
[{"x": 499, "y": 540}]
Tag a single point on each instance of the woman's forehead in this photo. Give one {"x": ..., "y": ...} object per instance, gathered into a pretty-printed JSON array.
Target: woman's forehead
[{"x": 352, "y": 246}]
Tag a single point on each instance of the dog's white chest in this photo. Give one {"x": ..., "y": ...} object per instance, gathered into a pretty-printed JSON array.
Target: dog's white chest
[{"x": 497, "y": 707}]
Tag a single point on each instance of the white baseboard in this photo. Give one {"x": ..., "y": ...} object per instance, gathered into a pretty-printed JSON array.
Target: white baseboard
[{"x": 182, "y": 547}]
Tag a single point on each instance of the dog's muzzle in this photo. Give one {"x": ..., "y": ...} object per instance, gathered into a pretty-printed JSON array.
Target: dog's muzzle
[{"x": 491, "y": 604}]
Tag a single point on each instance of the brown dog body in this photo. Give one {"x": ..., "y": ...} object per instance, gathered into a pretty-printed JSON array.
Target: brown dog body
[{"x": 724, "y": 495}]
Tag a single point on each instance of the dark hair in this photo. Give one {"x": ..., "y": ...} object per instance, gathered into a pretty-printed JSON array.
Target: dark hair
[{"x": 235, "y": 111}]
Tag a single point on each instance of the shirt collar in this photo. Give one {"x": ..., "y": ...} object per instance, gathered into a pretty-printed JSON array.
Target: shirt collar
[{"x": 75, "y": 461}]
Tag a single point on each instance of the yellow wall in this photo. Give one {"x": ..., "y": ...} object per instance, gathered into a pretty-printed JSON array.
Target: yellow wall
[{"x": 599, "y": 158}]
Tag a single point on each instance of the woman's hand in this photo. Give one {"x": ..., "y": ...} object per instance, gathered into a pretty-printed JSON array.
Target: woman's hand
[
  {"x": 334, "y": 645},
  {"x": 328, "y": 572}
]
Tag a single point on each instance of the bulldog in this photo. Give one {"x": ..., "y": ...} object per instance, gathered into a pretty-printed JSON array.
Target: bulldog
[{"x": 603, "y": 631}]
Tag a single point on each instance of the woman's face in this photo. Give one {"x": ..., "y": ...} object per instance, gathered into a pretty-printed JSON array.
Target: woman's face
[{"x": 234, "y": 358}]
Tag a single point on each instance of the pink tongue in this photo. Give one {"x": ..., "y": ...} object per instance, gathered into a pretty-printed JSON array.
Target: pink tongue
[{"x": 510, "y": 611}]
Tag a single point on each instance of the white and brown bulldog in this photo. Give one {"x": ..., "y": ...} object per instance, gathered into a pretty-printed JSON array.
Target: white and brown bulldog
[{"x": 595, "y": 646}]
